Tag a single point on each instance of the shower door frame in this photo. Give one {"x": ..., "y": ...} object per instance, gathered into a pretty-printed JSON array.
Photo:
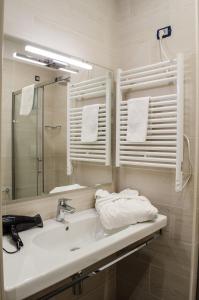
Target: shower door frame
[{"x": 14, "y": 94}]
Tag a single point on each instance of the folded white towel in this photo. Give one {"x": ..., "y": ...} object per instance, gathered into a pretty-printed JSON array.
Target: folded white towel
[
  {"x": 27, "y": 98},
  {"x": 66, "y": 188},
  {"x": 122, "y": 209},
  {"x": 137, "y": 119},
  {"x": 89, "y": 132}
]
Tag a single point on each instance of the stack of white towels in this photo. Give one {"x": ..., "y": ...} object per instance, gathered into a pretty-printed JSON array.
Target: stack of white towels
[{"x": 125, "y": 208}]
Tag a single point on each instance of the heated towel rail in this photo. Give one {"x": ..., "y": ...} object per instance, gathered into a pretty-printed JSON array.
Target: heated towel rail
[
  {"x": 164, "y": 143},
  {"x": 99, "y": 151}
]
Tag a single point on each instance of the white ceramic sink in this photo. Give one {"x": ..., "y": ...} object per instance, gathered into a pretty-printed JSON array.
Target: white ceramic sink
[
  {"x": 81, "y": 230},
  {"x": 51, "y": 254}
]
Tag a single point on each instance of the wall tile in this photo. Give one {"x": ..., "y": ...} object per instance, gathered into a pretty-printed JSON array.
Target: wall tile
[
  {"x": 169, "y": 259},
  {"x": 167, "y": 286}
]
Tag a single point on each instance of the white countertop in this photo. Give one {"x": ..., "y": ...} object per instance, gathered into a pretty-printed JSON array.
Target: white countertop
[{"x": 35, "y": 268}]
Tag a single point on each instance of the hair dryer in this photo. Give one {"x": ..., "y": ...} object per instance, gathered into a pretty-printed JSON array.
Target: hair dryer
[{"x": 13, "y": 224}]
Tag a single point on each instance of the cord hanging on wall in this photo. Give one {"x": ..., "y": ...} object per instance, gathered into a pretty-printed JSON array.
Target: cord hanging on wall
[{"x": 163, "y": 33}]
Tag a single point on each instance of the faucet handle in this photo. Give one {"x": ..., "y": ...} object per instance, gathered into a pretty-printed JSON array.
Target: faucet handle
[{"x": 63, "y": 201}]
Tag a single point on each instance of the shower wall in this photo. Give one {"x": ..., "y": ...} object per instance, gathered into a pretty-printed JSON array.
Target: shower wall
[
  {"x": 26, "y": 138},
  {"x": 40, "y": 143},
  {"x": 54, "y": 138}
]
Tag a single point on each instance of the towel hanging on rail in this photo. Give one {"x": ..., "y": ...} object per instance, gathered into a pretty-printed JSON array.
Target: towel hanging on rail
[
  {"x": 163, "y": 147},
  {"x": 137, "y": 119},
  {"x": 98, "y": 151},
  {"x": 89, "y": 132},
  {"x": 27, "y": 98}
]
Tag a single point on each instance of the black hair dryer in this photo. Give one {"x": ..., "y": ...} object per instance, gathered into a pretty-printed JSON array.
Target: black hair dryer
[{"x": 13, "y": 224}]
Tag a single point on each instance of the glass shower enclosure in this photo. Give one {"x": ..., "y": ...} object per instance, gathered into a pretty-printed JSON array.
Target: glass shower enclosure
[
  {"x": 37, "y": 165},
  {"x": 27, "y": 147}
]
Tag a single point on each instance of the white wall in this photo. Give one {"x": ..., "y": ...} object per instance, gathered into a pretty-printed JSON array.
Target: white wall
[
  {"x": 80, "y": 28},
  {"x": 169, "y": 259}
]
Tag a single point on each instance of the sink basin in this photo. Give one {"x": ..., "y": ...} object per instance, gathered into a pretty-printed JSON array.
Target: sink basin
[
  {"x": 80, "y": 231},
  {"x": 52, "y": 253}
]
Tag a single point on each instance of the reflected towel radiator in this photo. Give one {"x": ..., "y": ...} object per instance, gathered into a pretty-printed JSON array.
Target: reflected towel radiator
[
  {"x": 164, "y": 143},
  {"x": 99, "y": 151}
]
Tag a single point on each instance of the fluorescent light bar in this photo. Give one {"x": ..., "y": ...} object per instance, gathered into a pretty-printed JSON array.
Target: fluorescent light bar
[
  {"x": 68, "y": 70},
  {"x": 59, "y": 57},
  {"x": 28, "y": 59},
  {"x": 60, "y": 62}
]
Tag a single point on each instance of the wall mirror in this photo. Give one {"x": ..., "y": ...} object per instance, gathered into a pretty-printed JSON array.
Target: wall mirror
[{"x": 36, "y": 139}]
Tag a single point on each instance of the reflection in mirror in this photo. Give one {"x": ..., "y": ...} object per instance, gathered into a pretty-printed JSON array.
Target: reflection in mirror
[{"x": 34, "y": 127}]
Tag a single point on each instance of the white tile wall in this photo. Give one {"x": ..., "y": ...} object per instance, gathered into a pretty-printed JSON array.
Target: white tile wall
[
  {"x": 81, "y": 28},
  {"x": 137, "y": 22}
]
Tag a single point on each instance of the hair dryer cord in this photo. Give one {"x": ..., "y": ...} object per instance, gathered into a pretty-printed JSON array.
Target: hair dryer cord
[
  {"x": 9, "y": 252},
  {"x": 16, "y": 239}
]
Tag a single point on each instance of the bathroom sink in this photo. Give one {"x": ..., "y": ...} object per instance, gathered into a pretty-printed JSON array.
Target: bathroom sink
[
  {"x": 52, "y": 253},
  {"x": 80, "y": 231}
]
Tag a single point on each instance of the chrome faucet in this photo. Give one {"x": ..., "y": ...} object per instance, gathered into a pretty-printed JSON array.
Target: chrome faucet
[{"x": 63, "y": 208}]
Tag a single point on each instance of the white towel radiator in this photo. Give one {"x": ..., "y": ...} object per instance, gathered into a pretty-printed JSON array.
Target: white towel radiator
[
  {"x": 164, "y": 144},
  {"x": 99, "y": 151}
]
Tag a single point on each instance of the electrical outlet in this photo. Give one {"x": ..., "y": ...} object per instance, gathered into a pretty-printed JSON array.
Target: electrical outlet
[
  {"x": 166, "y": 32},
  {"x": 37, "y": 78}
]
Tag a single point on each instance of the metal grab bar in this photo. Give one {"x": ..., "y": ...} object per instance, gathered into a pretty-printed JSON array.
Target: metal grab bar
[{"x": 79, "y": 277}]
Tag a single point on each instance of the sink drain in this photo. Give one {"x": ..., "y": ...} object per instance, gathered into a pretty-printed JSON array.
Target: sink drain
[{"x": 74, "y": 248}]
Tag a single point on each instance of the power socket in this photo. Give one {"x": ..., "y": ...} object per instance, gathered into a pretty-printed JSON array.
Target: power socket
[{"x": 166, "y": 32}]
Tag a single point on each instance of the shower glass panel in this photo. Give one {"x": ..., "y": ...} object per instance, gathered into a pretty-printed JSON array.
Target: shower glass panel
[
  {"x": 39, "y": 142},
  {"x": 54, "y": 132},
  {"x": 27, "y": 152}
]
